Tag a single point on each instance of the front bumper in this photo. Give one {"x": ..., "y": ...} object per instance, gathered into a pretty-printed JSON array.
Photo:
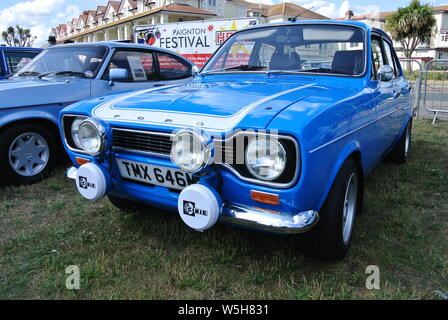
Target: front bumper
[
  {"x": 257, "y": 218},
  {"x": 260, "y": 219}
]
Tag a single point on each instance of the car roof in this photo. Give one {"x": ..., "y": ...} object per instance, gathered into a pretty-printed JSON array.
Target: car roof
[
  {"x": 19, "y": 48},
  {"x": 326, "y": 22},
  {"x": 114, "y": 45},
  {"x": 358, "y": 24}
]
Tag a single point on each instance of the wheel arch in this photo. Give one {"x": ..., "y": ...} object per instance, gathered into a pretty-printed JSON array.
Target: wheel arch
[
  {"x": 47, "y": 121},
  {"x": 352, "y": 150}
]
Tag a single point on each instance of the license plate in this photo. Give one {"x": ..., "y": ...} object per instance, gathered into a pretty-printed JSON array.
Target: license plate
[{"x": 161, "y": 176}]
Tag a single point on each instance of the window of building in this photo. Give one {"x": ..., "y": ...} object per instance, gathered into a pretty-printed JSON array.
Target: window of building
[
  {"x": 212, "y": 3},
  {"x": 444, "y": 36},
  {"x": 442, "y": 55}
]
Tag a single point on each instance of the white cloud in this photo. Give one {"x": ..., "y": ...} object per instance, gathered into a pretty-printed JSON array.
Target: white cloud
[
  {"x": 345, "y": 6},
  {"x": 37, "y": 15},
  {"x": 332, "y": 10}
]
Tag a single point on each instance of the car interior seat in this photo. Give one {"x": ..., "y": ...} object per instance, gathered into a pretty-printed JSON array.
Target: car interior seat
[
  {"x": 348, "y": 62},
  {"x": 284, "y": 61}
]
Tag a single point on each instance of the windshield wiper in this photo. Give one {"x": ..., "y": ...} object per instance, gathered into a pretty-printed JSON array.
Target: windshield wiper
[
  {"x": 63, "y": 73},
  {"x": 271, "y": 72},
  {"x": 28, "y": 74},
  {"x": 243, "y": 67},
  {"x": 326, "y": 70}
]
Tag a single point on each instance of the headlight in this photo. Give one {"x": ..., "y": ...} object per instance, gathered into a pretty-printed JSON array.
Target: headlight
[
  {"x": 265, "y": 158},
  {"x": 75, "y": 131},
  {"x": 91, "y": 136},
  {"x": 191, "y": 151}
]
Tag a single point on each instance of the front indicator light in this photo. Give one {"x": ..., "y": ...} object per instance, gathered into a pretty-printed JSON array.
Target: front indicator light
[
  {"x": 81, "y": 161},
  {"x": 264, "y": 197}
]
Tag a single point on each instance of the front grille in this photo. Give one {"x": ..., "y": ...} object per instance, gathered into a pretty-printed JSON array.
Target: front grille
[
  {"x": 224, "y": 153},
  {"x": 143, "y": 141}
]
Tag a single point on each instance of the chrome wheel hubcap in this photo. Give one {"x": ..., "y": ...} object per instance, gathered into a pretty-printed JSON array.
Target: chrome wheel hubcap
[
  {"x": 348, "y": 217},
  {"x": 29, "y": 154}
]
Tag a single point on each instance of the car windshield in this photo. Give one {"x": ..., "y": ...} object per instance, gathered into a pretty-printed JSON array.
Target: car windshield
[
  {"x": 66, "y": 61},
  {"x": 319, "y": 49}
]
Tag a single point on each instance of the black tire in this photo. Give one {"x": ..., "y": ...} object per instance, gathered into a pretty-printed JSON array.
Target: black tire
[
  {"x": 399, "y": 154},
  {"x": 8, "y": 137},
  {"x": 326, "y": 240},
  {"x": 126, "y": 205}
]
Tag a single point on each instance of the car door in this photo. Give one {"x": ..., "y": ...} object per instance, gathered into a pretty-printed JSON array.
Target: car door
[
  {"x": 385, "y": 96},
  {"x": 141, "y": 70},
  {"x": 403, "y": 90}
]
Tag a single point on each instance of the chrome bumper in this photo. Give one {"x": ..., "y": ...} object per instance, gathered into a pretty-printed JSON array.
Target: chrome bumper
[
  {"x": 269, "y": 221},
  {"x": 257, "y": 218}
]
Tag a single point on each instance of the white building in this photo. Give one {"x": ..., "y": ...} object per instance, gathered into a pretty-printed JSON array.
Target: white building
[
  {"x": 116, "y": 20},
  {"x": 436, "y": 48},
  {"x": 285, "y": 11}
]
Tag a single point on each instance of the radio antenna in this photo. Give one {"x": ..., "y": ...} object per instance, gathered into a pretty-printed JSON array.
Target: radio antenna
[{"x": 303, "y": 11}]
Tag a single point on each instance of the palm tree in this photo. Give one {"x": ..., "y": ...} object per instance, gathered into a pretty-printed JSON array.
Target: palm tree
[
  {"x": 18, "y": 36},
  {"x": 411, "y": 26}
]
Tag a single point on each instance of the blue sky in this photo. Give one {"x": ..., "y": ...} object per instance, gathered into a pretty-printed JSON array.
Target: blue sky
[{"x": 41, "y": 15}]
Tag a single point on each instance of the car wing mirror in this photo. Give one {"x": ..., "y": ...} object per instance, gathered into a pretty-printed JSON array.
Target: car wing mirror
[
  {"x": 117, "y": 75},
  {"x": 194, "y": 71},
  {"x": 386, "y": 73}
]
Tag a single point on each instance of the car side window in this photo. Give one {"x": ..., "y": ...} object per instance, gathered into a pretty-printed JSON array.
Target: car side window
[
  {"x": 172, "y": 67},
  {"x": 389, "y": 56},
  {"x": 139, "y": 64},
  {"x": 18, "y": 59},
  {"x": 377, "y": 56}
]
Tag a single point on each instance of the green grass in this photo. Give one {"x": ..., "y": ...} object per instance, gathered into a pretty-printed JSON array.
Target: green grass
[{"x": 404, "y": 231}]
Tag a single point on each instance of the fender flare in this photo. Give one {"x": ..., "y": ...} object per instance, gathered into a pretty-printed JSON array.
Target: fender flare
[
  {"x": 352, "y": 148},
  {"x": 27, "y": 114}
]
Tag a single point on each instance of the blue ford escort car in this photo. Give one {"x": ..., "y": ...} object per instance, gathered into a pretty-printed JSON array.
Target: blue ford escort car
[
  {"x": 277, "y": 133},
  {"x": 32, "y": 99}
]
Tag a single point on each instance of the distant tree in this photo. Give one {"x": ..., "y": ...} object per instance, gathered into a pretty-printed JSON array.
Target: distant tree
[
  {"x": 18, "y": 37},
  {"x": 411, "y": 25}
]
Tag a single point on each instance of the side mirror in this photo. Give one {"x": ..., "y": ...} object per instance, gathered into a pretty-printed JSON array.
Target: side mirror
[
  {"x": 117, "y": 75},
  {"x": 385, "y": 73},
  {"x": 194, "y": 71}
]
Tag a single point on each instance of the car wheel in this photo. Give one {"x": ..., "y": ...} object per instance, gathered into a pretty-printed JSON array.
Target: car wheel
[
  {"x": 27, "y": 153},
  {"x": 125, "y": 204},
  {"x": 399, "y": 154},
  {"x": 330, "y": 239}
]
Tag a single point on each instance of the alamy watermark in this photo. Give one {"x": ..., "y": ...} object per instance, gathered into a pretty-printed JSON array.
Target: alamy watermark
[
  {"x": 73, "y": 280},
  {"x": 373, "y": 280}
]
